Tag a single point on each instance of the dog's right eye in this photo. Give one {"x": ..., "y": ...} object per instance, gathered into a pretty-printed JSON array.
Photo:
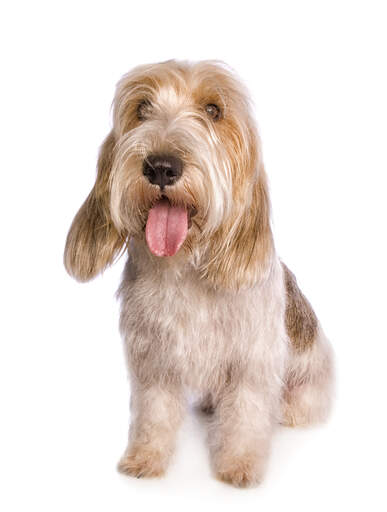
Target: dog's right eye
[
  {"x": 213, "y": 111},
  {"x": 144, "y": 109}
]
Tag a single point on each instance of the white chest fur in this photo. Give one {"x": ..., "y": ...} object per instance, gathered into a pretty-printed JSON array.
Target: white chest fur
[{"x": 176, "y": 327}]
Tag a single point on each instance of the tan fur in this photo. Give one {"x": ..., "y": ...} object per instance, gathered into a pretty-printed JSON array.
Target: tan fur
[
  {"x": 93, "y": 242},
  {"x": 242, "y": 248},
  {"x": 223, "y": 317}
]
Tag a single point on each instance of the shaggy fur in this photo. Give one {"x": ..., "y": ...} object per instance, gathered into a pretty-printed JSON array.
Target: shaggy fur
[{"x": 222, "y": 317}]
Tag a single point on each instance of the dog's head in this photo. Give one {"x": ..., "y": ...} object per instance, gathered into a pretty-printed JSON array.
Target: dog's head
[{"x": 182, "y": 171}]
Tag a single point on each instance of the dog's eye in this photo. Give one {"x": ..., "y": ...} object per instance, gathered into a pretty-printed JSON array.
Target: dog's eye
[
  {"x": 144, "y": 109},
  {"x": 213, "y": 111}
]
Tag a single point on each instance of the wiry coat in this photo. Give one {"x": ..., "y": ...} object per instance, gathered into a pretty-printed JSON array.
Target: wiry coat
[{"x": 223, "y": 317}]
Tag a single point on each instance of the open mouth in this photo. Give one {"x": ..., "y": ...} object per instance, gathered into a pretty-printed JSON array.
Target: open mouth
[{"x": 167, "y": 227}]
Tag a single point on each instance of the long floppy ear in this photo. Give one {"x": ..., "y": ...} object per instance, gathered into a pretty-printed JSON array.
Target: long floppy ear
[
  {"x": 241, "y": 250},
  {"x": 93, "y": 242}
]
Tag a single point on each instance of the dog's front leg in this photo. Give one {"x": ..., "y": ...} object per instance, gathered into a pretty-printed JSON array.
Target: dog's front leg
[
  {"x": 157, "y": 412},
  {"x": 240, "y": 435}
]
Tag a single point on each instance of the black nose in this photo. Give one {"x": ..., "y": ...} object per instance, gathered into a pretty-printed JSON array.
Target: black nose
[{"x": 162, "y": 170}]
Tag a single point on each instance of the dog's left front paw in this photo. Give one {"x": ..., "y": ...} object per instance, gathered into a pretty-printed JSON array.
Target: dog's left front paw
[
  {"x": 241, "y": 471},
  {"x": 142, "y": 462}
]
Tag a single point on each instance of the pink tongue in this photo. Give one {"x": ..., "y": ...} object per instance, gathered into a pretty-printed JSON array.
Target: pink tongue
[{"x": 166, "y": 228}]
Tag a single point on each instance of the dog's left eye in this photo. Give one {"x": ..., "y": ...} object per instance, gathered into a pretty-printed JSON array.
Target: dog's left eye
[
  {"x": 213, "y": 111},
  {"x": 144, "y": 109}
]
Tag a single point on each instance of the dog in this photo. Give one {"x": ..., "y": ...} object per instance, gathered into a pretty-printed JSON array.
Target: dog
[{"x": 206, "y": 303}]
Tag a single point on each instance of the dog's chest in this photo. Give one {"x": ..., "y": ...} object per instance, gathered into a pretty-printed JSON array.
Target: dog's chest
[{"x": 180, "y": 326}]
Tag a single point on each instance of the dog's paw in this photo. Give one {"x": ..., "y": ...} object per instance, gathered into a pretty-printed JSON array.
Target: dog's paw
[
  {"x": 242, "y": 471},
  {"x": 142, "y": 462}
]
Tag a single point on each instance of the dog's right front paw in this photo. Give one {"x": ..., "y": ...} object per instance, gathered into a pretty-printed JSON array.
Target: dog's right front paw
[{"x": 142, "y": 461}]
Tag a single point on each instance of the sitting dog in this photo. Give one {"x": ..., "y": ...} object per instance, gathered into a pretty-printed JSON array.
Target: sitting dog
[{"x": 206, "y": 304}]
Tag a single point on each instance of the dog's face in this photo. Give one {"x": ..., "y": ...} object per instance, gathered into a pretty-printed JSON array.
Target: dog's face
[
  {"x": 181, "y": 169},
  {"x": 183, "y": 133}
]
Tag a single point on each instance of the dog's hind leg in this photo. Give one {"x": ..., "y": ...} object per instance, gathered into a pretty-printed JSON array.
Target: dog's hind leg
[
  {"x": 309, "y": 385},
  {"x": 308, "y": 388}
]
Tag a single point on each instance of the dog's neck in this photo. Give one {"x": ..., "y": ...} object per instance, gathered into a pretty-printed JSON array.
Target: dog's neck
[
  {"x": 176, "y": 268},
  {"x": 180, "y": 271}
]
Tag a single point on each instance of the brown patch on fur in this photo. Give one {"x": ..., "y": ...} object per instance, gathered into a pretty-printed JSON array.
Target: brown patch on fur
[
  {"x": 300, "y": 319},
  {"x": 93, "y": 242}
]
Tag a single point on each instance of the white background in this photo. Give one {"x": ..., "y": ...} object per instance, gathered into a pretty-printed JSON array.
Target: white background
[{"x": 317, "y": 72}]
